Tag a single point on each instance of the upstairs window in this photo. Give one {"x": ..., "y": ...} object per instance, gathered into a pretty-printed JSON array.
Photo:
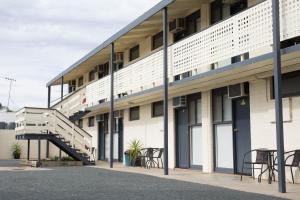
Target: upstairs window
[
  {"x": 72, "y": 86},
  {"x": 134, "y": 53},
  {"x": 157, "y": 40},
  {"x": 103, "y": 70},
  {"x": 91, "y": 121},
  {"x": 157, "y": 109},
  {"x": 190, "y": 26},
  {"x": 80, "y": 81},
  {"x": 80, "y": 123},
  {"x": 92, "y": 75},
  {"x": 134, "y": 113},
  {"x": 290, "y": 85}
]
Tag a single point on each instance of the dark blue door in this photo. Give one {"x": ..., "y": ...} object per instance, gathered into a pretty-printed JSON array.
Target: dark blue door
[
  {"x": 120, "y": 132},
  {"x": 101, "y": 141},
  {"x": 182, "y": 138},
  {"x": 241, "y": 132}
]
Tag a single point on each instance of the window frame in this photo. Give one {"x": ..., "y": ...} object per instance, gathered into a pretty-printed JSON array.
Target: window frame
[
  {"x": 91, "y": 121},
  {"x": 80, "y": 123},
  {"x": 80, "y": 81},
  {"x": 221, "y": 92},
  {"x": 284, "y": 77},
  {"x": 132, "y": 109},
  {"x": 131, "y": 53},
  {"x": 92, "y": 75},
  {"x": 153, "y": 106},
  {"x": 157, "y": 36}
]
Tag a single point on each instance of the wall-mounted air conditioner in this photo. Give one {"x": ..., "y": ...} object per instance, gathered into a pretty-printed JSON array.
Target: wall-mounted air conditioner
[
  {"x": 119, "y": 57},
  {"x": 177, "y": 25},
  {"x": 179, "y": 102},
  {"x": 238, "y": 90},
  {"x": 100, "y": 118}
]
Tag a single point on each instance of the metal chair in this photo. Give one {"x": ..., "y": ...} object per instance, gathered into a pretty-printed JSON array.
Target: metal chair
[
  {"x": 292, "y": 159},
  {"x": 261, "y": 159},
  {"x": 159, "y": 153}
]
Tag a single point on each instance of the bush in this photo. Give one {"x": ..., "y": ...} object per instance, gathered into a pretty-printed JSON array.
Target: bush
[{"x": 16, "y": 151}]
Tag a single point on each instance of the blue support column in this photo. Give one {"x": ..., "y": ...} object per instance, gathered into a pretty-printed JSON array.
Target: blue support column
[
  {"x": 48, "y": 106},
  {"x": 166, "y": 84},
  {"x": 111, "y": 114},
  {"x": 278, "y": 96}
]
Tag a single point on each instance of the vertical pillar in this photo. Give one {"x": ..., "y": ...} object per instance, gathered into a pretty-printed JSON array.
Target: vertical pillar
[
  {"x": 111, "y": 114},
  {"x": 48, "y": 106},
  {"x": 28, "y": 150},
  {"x": 207, "y": 132},
  {"x": 166, "y": 83},
  {"x": 62, "y": 89},
  {"x": 61, "y": 98},
  {"x": 39, "y": 153},
  {"x": 278, "y": 96},
  {"x": 49, "y": 96}
]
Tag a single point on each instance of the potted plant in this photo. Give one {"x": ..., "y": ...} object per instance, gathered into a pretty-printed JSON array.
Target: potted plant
[
  {"x": 135, "y": 148},
  {"x": 16, "y": 151}
]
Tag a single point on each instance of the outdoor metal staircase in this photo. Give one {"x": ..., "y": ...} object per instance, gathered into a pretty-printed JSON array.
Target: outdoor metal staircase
[{"x": 51, "y": 125}]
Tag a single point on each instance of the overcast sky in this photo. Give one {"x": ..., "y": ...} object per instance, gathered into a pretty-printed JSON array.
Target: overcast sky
[{"x": 40, "y": 38}]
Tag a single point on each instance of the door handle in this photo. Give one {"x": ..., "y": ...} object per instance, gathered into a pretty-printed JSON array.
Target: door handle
[{"x": 235, "y": 130}]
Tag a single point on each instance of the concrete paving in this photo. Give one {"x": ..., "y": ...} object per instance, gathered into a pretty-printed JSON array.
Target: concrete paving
[
  {"x": 88, "y": 183},
  {"x": 229, "y": 181}
]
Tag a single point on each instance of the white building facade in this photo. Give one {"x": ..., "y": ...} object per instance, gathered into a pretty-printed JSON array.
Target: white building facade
[{"x": 220, "y": 71}]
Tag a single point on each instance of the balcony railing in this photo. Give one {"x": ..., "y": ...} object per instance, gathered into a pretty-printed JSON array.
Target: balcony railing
[{"x": 245, "y": 32}]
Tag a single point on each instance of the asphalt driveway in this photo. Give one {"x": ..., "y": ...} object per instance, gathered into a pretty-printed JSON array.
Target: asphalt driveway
[{"x": 86, "y": 183}]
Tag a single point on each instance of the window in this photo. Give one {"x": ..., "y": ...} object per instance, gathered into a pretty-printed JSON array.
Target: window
[
  {"x": 134, "y": 113},
  {"x": 103, "y": 70},
  {"x": 134, "y": 53},
  {"x": 72, "y": 86},
  {"x": 290, "y": 85},
  {"x": 157, "y": 40},
  {"x": 222, "y": 106},
  {"x": 157, "y": 109},
  {"x": 195, "y": 115},
  {"x": 92, "y": 75},
  {"x": 190, "y": 26},
  {"x": 80, "y": 123},
  {"x": 91, "y": 121},
  {"x": 80, "y": 81},
  {"x": 220, "y": 10}
]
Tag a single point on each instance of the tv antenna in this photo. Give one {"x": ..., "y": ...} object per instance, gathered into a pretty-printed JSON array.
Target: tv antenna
[{"x": 11, "y": 80}]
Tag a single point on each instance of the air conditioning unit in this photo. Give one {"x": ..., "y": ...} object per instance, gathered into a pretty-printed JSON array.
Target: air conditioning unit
[
  {"x": 119, "y": 57},
  {"x": 238, "y": 90},
  {"x": 118, "y": 114},
  {"x": 179, "y": 102},
  {"x": 177, "y": 25},
  {"x": 100, "y": 118}
]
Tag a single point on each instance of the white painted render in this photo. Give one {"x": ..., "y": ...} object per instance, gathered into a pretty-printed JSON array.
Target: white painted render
[{"x": 263, "y": 133}]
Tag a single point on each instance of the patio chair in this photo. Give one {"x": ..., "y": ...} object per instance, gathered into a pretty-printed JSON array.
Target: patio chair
[
  {"x": 292, "y": 159},
  {"x": 159, "y": 152},
  {"x": 261, "y": 159}
]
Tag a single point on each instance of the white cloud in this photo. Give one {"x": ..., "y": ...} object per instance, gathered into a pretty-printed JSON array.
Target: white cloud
[{"x": 40, "y": 38}]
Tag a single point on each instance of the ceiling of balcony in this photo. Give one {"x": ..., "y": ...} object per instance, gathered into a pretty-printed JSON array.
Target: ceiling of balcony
[{"x": 132, "y": 36}]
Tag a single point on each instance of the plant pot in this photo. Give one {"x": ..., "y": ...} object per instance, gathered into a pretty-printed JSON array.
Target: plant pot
[{"x": 17, "y": 156}]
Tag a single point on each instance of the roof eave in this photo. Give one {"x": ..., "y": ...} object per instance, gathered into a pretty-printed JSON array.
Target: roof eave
[{"x": 155, "y": 9}]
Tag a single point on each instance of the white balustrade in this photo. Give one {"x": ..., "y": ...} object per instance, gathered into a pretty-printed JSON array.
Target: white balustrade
[
  {"x": 98, "y": 90},
  {"x": 244, "y": 32},
  {"x": 41, "y": 121}
]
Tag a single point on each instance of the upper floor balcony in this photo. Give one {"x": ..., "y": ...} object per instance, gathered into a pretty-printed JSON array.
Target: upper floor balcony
[{"x": 245, "y": 35}]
